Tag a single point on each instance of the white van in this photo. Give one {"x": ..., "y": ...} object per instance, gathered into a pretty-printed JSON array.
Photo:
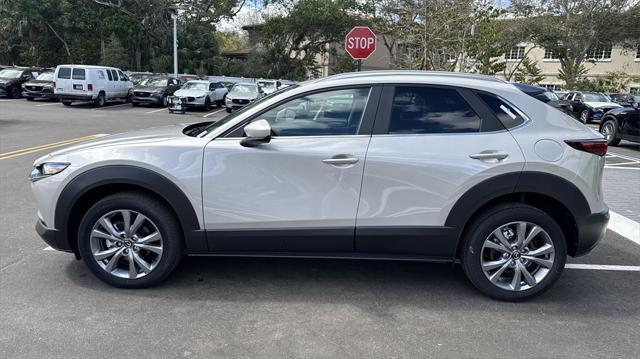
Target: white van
[{"x": 97, "y": 84}]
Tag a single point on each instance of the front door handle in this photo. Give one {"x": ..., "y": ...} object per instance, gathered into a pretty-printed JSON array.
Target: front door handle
[
  {"x": 490, "y": 156},
  {"x": 341, "y": 160}
]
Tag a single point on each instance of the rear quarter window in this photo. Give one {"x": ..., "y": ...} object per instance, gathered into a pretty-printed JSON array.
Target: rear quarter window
[
  {"x": 64, "y": 73},
  {"x": 505, "y": 113}
]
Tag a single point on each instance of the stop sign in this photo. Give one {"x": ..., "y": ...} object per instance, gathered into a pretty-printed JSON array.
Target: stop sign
[{"x": 360, "y": 42}]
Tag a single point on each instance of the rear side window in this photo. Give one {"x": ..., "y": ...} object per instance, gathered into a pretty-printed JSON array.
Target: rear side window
[
  {"x": 431, "y": 110},
  {"x": 78, "y": 74},
  {"x": 100, "y": 75},
  {"x": 505, "y": 113},
  {"x": 64, "y": 73},
  {"x": 109, "y": 75}
]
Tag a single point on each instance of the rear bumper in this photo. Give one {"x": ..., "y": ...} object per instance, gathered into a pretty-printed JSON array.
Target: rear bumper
[
  {"x": 53, "y": 237},
  {"x": 591, "y": 229},
  {"x": 68, "y": 97}
]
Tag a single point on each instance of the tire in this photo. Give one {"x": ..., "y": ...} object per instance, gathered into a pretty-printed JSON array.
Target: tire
[
  {"x": 30, "y": 98},
  {"x": 584, "y": 116},
  {"x": 207, "y": 104},
  {"x": 66, "y": 103},
  {"x": 100, "y": 100},
  {"x": 228, "y": 109},
  {"x": 135, "y": 104},
  {"x": 15, "y": 92},
  {"x": 157, "y": 219},
  {"x": 165, "y": 101},
  {"x": 170, "y": 111},
  {"x": 476, "y": 251},
  {"x": 610, "y": 131}
]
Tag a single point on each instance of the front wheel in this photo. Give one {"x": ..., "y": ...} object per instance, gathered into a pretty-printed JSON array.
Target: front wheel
[
  {"x": 15, "y": 92},
  {"x": 609, "y": 130},
  {"x": 207, "y": 104},
  {"x": 584, "y": 116},
  {"x": 228, "y": 109},
  {"x": 513, "y": 252},
  {"x": 130, "y": 240}
]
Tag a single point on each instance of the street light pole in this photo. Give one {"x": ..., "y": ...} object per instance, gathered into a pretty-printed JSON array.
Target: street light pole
[{"x": 174, "y": 16}]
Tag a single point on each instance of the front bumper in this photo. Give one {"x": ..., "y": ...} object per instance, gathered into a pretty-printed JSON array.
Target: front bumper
[
  {"x": 155, "y": 99},
  {"x": 53, "y": 237},
  {"x": 32, "y": 94},
  {"x": 591, "y": 229}
]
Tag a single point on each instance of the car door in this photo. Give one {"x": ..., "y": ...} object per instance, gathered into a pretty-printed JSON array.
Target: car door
[
  {"x": 300, "y": 191},
  {"x": 429, "y": 146},
  {"x": 631, "y": 126}
]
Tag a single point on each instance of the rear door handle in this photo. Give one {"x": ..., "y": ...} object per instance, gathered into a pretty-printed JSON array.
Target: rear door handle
[
  {"x": 341, "y": 160},
  {"x": 490, "y": 155}
]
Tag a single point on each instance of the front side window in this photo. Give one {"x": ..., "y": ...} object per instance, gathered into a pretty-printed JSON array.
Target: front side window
[
  {"x": 331, "y": 113},
  {"x": 431, "y": 110},
  {"x": 64, "y": 73},
  {"x": 122, "y": 76},
  {"x": 78, "y": 74},
  {"x": 114, "y": 74}
]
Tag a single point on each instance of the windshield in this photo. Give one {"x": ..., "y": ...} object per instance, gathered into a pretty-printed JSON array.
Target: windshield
[
  {"x": 195, "y": 86},
  {"x": 551, "y": 96},
  {"x": 10, "y": 73},
  {"x": 154, "y": 82},
  {"x": 595, "y": 97},
  {"x": 267, "y": 85},
  {"x": 244, "y": 109},
  {"x": 45, "y": 76},
  {"x": 244, "y": 89}
]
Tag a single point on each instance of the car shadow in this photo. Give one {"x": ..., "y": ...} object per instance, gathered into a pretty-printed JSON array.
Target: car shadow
[{"x": 374, "y": 286}]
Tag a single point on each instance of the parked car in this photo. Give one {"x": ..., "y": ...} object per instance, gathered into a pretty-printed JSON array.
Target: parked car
[
  {"x": 588, "y": 106},
  {"x": 621, "y": 124},
  {"x": 40, "y": 87},
  {"x": 542, "y": 94},
  {"x": 11, "y": 80},
  {"x": 154, "y": 90},
  {"x": 623, "y": 99},
  {"x": 242, "y": 94},
  {"x": 199, "y": 93},
  {"x": 268, "y": 86},
  {"x": 400, "y": 165},
  {"x": 137, "y": 77},
  {"x": 96, "y": 84}
]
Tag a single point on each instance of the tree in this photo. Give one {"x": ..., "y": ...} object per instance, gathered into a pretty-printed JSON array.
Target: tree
[
  {"x": 528, "y": 72},
  {"x": 114, "y": 53},
  {"x": 487, "y": 45},
  {"x": 572, "y": 28}
]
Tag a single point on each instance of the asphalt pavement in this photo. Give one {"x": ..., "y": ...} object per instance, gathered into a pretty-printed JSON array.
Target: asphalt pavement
[{"x": 51, "y": 306}]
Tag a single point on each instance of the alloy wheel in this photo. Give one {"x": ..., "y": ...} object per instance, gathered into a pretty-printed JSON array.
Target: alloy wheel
[
  {"x": 126, "y": 244},
  {"x": 517, "y": 256},
  {"x": 584, "y": 116},
  {"x": 607, "y": 131}
]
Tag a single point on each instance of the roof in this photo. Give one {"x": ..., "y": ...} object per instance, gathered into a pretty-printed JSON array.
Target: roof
[{"x": 384, "y": 73}]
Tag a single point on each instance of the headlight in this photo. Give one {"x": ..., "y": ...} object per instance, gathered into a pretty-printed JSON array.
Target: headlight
[
  {"x": 199, "y": 97},
  {"x": 47, "y": 169}
]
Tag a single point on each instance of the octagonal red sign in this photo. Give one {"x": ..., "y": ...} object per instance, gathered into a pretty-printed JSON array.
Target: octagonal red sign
[{"x": 360, "y": 42}]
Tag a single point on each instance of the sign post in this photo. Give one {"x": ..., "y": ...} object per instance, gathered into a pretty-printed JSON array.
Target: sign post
[{"x": 360, "y": 43}]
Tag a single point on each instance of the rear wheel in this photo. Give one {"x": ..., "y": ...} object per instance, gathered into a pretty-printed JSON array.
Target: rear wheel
[
  {"x": 100, "y": 100},
  {"x": 130, "y": 240},
  {"x": 135, "y": 104},
  {"x": 30, "y": 98},
  {"x": 610, "y": 131},
  {"x": 66, "y": 103},
  {"x": 513, "y": 252}
]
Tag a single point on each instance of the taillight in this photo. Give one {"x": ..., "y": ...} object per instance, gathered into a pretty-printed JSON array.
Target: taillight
[
  {"x": 90, "y": 87},
  {"x": 597, "y": 147}
]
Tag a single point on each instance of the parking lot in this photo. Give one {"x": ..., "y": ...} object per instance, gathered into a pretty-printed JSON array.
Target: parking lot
[{"x": 293, "y": 308}]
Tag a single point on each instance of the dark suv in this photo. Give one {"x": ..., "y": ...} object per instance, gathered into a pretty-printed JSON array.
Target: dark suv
[
  {"x": 11, "y": 80},
  {"x": 40, "y": 87},
  {"x": 154, "y": 90}
]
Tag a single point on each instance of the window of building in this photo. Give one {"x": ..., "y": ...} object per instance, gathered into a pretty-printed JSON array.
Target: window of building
[
  {"x": 431, "y": 110},
  {"x": 549, "y": 55},
  {"x": 515, "y": 53},
  {"x": 638, "y": 54},
  {"x": 634, "y": 90},
  {"x": 601, "y": 53}
]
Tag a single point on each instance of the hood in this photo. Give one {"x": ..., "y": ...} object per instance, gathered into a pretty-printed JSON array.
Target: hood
[
  {"x": 148, "y": 88},
  {"x": 38, "y": 82},
  {"x": 242, "y": 96},
  {"x": 190, "y": 93},
  {"x": 602, "y": 104},
  {"x": 6, "y": 80},
  {"x": 138, "y": 137}
]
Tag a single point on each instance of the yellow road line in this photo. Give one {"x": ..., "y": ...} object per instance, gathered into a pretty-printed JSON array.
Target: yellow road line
[{"x": 26, "y": 151}]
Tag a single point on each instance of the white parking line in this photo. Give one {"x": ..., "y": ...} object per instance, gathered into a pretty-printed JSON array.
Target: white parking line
[
  {"x": 110, "y": 106},
  {"x": 48, "y": 248},
  {"x": 47, "y": 104},
  {"x": 624, "y": 226},
  {"x": 626, "y": 157},
  {"x": 603, "y": 267},
  {"x": 212, "y": 113},
  {"x": 158, "y": 110}
]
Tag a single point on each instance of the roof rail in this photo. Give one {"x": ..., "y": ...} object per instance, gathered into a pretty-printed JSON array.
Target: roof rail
[{"x": 379, "y": 73}]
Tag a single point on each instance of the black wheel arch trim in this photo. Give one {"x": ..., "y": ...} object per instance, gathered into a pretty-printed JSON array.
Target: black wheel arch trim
[
  {"x": 528, "y": 182},
  {"x": 194, "y": 236}
]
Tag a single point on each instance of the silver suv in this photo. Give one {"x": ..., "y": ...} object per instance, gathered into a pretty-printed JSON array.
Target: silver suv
[{"x": 401, "y": 165}]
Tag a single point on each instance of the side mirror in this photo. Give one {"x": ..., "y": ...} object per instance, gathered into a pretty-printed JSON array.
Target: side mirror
[{"x": 257, "y": 132}]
